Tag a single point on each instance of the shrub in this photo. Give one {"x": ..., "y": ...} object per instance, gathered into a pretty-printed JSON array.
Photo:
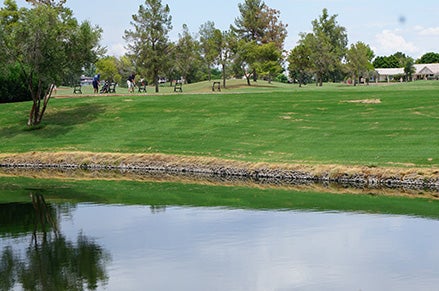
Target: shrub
[{"x": 12, "y": 86}]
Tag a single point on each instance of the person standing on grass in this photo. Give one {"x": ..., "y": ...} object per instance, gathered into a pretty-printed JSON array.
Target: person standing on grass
[
  {"x": 131, "y": 82},
  {"x": 96, "y": 81}
]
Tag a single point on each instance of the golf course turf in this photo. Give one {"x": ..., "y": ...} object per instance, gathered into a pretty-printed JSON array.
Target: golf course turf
[{"x": 377, "y": 130}]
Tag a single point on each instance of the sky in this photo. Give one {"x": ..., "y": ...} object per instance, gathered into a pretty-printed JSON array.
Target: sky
[{"x": 386, "y": 26}]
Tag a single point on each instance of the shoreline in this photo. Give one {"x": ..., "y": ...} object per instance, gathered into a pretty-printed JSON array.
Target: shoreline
[{"x": 361, "y": 177}]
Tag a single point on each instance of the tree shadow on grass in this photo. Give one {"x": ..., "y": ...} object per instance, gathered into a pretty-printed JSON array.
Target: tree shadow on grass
[
  {"x": 57, "y": 122},
  {"x": 62, "y": 121}
]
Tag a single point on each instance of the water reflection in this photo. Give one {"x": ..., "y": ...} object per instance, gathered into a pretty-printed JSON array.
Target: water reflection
[
  {"x": 50, "y": 261},
  {"x": 168, "y": 236}
]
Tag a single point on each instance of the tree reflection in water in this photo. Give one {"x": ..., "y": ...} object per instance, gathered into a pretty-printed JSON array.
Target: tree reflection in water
[{"x": 51, "y": 262}]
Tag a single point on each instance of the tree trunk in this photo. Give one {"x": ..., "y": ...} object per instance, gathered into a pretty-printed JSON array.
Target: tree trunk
[
  {"x": 224, "y": 74},
  {"x": 248, "y": 79},
  {"x": 156, "y": 81},
  {"x": 36, "y": 115},
  {"x": 255, "y": 76}
]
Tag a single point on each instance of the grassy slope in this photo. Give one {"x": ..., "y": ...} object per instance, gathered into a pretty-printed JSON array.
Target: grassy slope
[{"x": 273, "y": 123}]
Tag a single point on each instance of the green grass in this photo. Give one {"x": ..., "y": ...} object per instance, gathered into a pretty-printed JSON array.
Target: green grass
[
  {"x": 267, "y": 122},
  {"x": 178, "y": 194}
]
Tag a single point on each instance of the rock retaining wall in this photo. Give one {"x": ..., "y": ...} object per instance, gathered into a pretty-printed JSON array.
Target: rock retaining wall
[{"x": 259, "y": 175}]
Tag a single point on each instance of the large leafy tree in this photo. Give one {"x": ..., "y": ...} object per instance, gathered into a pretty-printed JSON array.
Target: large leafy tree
[
  {"x": 428, "y": 58},
  {"x": 108, "y": 69},
  {"x": 359, "y": 60},
  {"x": 268, "y": 63},
  {"x": 385, "y": 62},
  {"x": 48, "y": 45},
  {"x": 329, "y": 43},
  {"x": 148, "y": 41},
  {"x": 299, "y": 62},
  {"x": 397, "y": 60},
  {"x": 322, "y": 59},
  {"x": 245, "y": 58}
]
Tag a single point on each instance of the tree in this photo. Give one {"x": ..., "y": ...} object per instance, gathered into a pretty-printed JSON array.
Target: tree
[
  {"x": 268, "y": 61},
  {"x": 246, "y": 54},
  {"x": 275, "y": 30},
  {"x": 397, "y": 60},
  {"x": 409, "y": 69},
  {"x": 359, "y": 57},
  {"x": 250, "y": 25},
  {"x": 257, "y": 25},
  {"x": 148, "y": 41},
  {"x": 385, "y": 62},
  {"x": 300, "y": 63},
  {"x": 187, "y": 54},
  {"x": 107, "y": 67},
  {"x": 330, "y": 42},
  {"x": 209, "y": 47},
  {"x": 322, "y": 59},
  {"x": 226, "y": 43},
  {"x": 428, "y": 58},
  {"x": 48, "y": 45},
  {"x": 125, "y": 67}
]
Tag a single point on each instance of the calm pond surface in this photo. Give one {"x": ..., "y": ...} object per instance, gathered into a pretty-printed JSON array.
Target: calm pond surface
[{"x": 54, "y": 243}]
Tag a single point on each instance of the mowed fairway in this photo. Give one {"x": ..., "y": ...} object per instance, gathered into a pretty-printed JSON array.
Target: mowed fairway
[{"x": 377, "y": 125}]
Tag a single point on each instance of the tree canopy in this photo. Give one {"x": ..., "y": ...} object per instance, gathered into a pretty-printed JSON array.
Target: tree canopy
[
  {"x": 148, "y": 41},
  {"x": 359, "y": 58},
  {"x": 323, "y": 49},
  {"x": 428, "y": 58},
  {"x": 49, "y": 47},
  {"x": 256, "y": 29}
]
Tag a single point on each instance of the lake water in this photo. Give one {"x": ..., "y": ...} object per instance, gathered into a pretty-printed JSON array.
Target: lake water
[{"x": 142, "y": 247}]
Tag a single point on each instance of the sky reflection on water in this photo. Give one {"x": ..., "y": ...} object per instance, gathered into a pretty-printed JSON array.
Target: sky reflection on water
[{"x": 184, "y": 248}]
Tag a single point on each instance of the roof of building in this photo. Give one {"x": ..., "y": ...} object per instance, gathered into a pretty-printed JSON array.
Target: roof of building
[
  {"x": 390, "y": 71},
  {"x": 427, "y": 69},
  {"x": 420, "y": 69}
]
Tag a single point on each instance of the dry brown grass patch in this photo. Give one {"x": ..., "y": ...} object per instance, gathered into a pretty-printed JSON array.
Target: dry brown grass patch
[
  {"x": 365, "y": 101},
  {"x": 119, "y": 159}
]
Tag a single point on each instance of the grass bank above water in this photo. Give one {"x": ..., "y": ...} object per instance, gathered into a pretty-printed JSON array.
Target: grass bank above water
[
  {"x": 328, "y": 125},
  {"x": 374, "y": 127}
]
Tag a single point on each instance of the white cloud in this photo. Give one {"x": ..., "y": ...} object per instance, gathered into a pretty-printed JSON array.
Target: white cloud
[
  {"x": 116, "y": 49},
  {"x": 391, "y": 42},
  {"x": 431, "y": 31}
]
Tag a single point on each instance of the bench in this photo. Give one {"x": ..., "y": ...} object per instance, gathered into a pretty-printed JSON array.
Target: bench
[
  {"x": 112, "y": 88},
  {"x": 77, "y": 89},
  {"x": 217, "y": 86},
  {"x": 178, "y": 87},
  {"x": 142, "y": 87}
]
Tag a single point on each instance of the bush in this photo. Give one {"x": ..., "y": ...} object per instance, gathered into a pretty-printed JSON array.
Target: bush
[
  {"x": 282, "y": 78},
  {"x": 12, "y": 87}
]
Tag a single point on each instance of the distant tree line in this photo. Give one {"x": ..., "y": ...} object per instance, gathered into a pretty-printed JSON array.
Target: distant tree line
[
  {"x": 252, "y": 48},
  {"x": 46, "y": 45}
]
